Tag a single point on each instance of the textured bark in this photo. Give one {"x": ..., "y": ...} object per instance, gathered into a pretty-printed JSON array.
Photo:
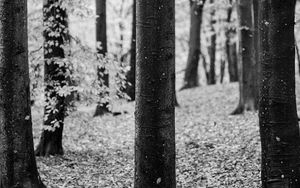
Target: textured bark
[
  {"x": 279, "y": 127},
  {"x": 231, "y": 47},
  {"x": 155, "y": 129},
  {"x": 191, "y": 78},
  {"x": 101, "y": 37},
  {"x": 247, "y": 61},
  {"x": 17, "y": 161},
  {"x": 130, "y": 76},
  {"x": 51, "y": 138},
  {"x": 211, "y": 79}
]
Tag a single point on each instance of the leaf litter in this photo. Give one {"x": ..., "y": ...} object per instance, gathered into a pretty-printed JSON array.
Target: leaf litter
[{"x": 214, "y": 149}]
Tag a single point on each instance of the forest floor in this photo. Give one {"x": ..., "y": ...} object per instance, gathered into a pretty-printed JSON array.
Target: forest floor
[{"x": 214, "y": 149}]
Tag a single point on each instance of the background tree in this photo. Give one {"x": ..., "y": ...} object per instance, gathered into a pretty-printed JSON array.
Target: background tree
[
  {"x": 101, "y": 38},
  {"x": 17, "y": 160},
  {"x": 279, "y": 127},
  {"x": 155, "y": 118},
  {"x": 230, "y": 45},
  {"x": 191, "y": 78},
  {"x": 247, "y": 63},
  {"x": 130, "y": 77},
  {"x": 211, "y": 74},
  {"x": 56, "y": 74}
]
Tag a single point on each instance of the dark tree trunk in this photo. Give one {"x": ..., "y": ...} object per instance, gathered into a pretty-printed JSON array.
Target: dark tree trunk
[
  {"x": 17, "y": 161},
  {"x": 279, "y": 127},
  {"x": 247, "y": 62},
  {"x": 101, "y": 39},
  {"x": 297, "y": 53},
  {"x": 191, "y": 78},
  {"x": 55, "y": 77},
  {"x": 155, "y": 129},
  {"x": 256, "y": 49},
  {"x": 231, "y": 47},
  {"x": 176, "y": 101},
  {"x": 211, "y": 79},
  {"x": 130, "y": 77},
  {"x": 222, "y": 71},
  {"x": 231, "y": 51}
]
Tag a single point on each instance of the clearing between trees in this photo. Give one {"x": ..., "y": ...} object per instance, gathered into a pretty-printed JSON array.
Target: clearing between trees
[{"x": 213, "y": 148}]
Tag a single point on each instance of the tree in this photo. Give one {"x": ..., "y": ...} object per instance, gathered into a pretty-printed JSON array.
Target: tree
[
  {"x": 101, "y": 38},
  {"x": 211, "y": 74},
  {"x": 56, "y": 70},
  {"x": 231, "y": 47},
  {"x": 130, "y": 76},
  {"x": 247, "y": 62},
  {"x": 17, "y": 161},
  {"x": 155, "y": 129},
  {"x": 279, "y": 129},
  {"x": 191, "y": 71}
]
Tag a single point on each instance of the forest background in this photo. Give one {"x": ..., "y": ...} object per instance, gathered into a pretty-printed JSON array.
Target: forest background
[{"x": 116, "y": 133}]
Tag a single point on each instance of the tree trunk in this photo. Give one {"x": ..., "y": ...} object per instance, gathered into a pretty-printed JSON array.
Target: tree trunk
[
  {"x": 222, "y": 70},
  {"x": 155, "y": 129},
  {"x": 191, "y": 71},
  {"x": 17, "y": 161},
  {"x": 247, "y": 61},
  {"x": 211, "y": 79},
  {"x": 130, "y": 77},
  {"x": 101, "y": 38},
  {"x": 279, "y": 127},
  {"x": 297, "y": 53},
  {"x": 56, "y": 36},
  {"x": 231, "y": 47}
]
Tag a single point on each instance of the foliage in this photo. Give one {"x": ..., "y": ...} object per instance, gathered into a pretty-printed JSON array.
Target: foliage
[{"x": 81, "y": 60}]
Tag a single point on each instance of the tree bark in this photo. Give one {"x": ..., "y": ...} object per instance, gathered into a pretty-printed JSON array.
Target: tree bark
[
  {"x": 247, "y": 62},
  {"x": 191, "y": 78},
  {"x": 56, "y": 36},
  {"x": 130, "y": 76},
  {"x": 155, "y": 129},
  {"x": 279, "y": 129},
  {"x": 101, "y": 38},
  {"x": 17, "y": 161},
  {"x": 231, "y": 47},
  {"x": 211, "y": 79}
]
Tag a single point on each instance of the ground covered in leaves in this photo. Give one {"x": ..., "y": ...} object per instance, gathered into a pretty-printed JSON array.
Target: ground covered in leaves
[{"x": 214, "y": 150}]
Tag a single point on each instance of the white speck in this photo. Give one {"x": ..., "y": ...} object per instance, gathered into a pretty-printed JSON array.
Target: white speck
[
  {"x": 278, "y": 139},
  {"x": 27, "y": 117},
  {"x": 158, "y": 180},
  {"x": 282, "y": 176}
]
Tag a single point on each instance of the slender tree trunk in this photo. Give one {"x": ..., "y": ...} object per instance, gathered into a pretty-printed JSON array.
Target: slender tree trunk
[
  {"x": 176, "y": 101},
  {"x": 17, "y": 161},
  {"x": 101, "y": 38},
  {"x": 55, "y": 77},
  {"x": 257, "y": 69},
  {"x": 211, "y": 80},
  {"x": 231, "y": 47},
  {"x": 279, "y": 127},
  {"x": 155, "y": 129},
  {"x": 297, "y": 53},
  {"x": 222, "y": 71},
  {"x": 191, "y": 78},
  {"x": 130, "y": 77},
  {"x": 247, "y": 61}
]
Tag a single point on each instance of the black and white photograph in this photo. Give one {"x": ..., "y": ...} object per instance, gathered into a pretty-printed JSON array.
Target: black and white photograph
[{"x": 149, "y": 93}]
